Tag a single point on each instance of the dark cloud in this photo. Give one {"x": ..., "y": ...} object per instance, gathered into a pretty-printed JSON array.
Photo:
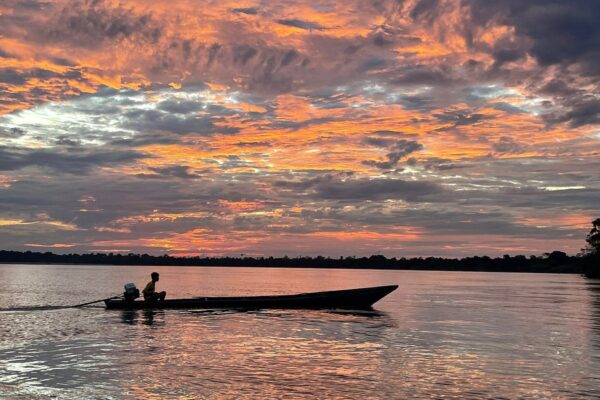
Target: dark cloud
[
  {"x": 63, "y": 62},
  {"x": 417, "y": 102},
  {"x": 4, "y": 54},
  {"x": 233, "y": 162},
  {"x": 507, "y": 145},
  {"x": 560, "y": 31},
  {"x": 11, "y": 77},
  {"x": 144, "y": 139},
  {"x": 372, "y": 64},
  {"x": 59, "y": 198},
  {"x": 91, "y": 22},
  {"x": 178, "y": 171},
  {"x": 54, "y": 85},
  {"x": 393, "y": 134},
  {"x": 336, "y": 187},
  {"x": 423, "y": 75},
  {"x": 31, "y": 5},
  {"x": 471, "y": 222},
  {"x": 379, "y": 189},
  {"x": 379, "y": 141},
  {"x": 434, "y": 221},
  {"x": 294, "y": 126},
  {"x": 290, "y": 56},
  {"x": 156, "y": 120},
  {"x": 179, "y": 106},
  {"x": 556, "y": 33},
  {"x": 306, "y": 183},
  {"x": 381, "y": 40},
  {"x": 424, "y": 7},
  {"x": 253, "y": 144},
  {"x": 558, "y": 88},
  {"x": 212, "y": 53},
  {"x": 78, "y": 162},
  {"x": 327, "y": 98},
  {"x": 117, "y": 196},
  {"x": 534, "y": 197},
  {"x": 508, "y": 108},
  {"x": 297, "y": 23},
  {"x": 67, "y": 141},
  {"x": 246, "y": 10},
  {"x": 243, "y": 53},
  {"x": 260, "y": 68},
  {"x": 399, "y": 149},
  {"x": 19, "y": 77},
  {"x": 507, "y": 53},
  {"x": 444, "y": 166},
  {"x": 11, "y": 132},
  {"x": 579, "y": 111},
  {"x": 460, "y": 118}
]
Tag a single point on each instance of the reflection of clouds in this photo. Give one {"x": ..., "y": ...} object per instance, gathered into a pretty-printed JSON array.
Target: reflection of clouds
[
  {"x": 453, "y": 343},
  {"x": 442, "y": 334},
  {"x": 48, "y": 367}
]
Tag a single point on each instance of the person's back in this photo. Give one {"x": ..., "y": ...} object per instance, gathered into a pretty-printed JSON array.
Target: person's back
[{"x": 149, "y": 291}]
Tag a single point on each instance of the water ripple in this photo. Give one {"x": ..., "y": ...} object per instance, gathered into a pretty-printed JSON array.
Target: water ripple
[{"x": 441, "y": 335}]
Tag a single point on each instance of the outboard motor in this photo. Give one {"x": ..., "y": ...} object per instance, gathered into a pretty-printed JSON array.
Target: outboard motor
[{"x": 131, "y": 292}]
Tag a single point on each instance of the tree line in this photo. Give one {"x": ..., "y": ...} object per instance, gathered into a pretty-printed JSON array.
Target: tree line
[
  {"x": 557, "y": 261},
  {"x": 587, "y": 262}
]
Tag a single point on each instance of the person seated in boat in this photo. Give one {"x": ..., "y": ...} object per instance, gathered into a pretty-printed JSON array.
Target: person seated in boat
[{"x": 150, "y": 293}]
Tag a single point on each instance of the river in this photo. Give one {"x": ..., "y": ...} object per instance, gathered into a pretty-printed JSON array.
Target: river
[{"x": 453, "y": 335}]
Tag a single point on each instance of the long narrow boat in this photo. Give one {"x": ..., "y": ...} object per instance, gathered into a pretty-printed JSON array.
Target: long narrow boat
[{"x": 354, "y": 299}]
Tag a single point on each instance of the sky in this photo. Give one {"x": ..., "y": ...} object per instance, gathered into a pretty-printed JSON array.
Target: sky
[{"x": 311, "y": 127}]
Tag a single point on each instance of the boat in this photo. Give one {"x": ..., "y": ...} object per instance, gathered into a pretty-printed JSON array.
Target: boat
[{"x": 353, "y": 299}]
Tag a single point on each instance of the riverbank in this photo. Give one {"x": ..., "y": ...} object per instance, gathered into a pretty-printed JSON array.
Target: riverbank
[{"x": 555, "y": 262}]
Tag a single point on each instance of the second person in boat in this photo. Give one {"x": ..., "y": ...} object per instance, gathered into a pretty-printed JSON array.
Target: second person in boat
[{"x": 150, "y": 293}]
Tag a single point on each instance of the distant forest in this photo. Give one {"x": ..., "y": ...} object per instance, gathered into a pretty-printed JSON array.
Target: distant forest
[{"x": 554, "y": 262}]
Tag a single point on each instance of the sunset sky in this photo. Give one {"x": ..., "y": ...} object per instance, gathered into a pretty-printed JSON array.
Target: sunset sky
[{"x": 403, "y": 128}]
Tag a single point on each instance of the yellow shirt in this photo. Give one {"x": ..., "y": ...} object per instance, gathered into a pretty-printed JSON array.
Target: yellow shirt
[{"x": 149, "y": 289}]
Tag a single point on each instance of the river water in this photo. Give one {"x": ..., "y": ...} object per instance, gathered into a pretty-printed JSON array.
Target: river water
[{"x": 454, "y": 335}]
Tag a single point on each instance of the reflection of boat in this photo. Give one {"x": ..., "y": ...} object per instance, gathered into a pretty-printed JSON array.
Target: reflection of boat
[{"x": 354, "y": 299}]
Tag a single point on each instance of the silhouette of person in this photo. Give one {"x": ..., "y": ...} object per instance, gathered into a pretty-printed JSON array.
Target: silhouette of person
[{"x": 150, "y": 293}]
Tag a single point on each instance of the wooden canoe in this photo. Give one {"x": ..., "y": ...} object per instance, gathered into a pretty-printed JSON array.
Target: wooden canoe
[{"x": 353, "y": 299}]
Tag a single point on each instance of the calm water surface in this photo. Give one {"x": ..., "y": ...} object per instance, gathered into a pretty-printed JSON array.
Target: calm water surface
[{"x": 440, "y": 335}]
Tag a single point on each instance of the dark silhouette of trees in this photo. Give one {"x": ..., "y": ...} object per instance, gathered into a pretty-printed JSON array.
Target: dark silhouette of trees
[
  {"x": 557, "y": 261},
  {"x": 591, "y": 252},
  {"x": 557, "y": 257},
  {"x": 593, "y": 238}
]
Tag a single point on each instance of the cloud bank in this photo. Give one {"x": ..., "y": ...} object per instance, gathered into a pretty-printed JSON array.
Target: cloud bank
[{"x": 407, "y": 128}]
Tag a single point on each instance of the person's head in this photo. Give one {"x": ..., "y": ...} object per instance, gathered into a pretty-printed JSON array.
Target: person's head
[{"x": 154, "y": 276}]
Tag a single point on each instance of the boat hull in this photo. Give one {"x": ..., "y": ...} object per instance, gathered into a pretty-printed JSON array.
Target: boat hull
[{"x": 353, "y": 299}]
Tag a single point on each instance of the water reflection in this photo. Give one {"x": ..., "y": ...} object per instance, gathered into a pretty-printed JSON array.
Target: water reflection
[
  {"x": 132, "y": 317},
  {"x": 593, "y": 286},
  {"x": 129, "y": 317},
  {"x": 441, "y": 335},
  {"x": 264, "y": 353},
  {"x": 148, "y": 317}
]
